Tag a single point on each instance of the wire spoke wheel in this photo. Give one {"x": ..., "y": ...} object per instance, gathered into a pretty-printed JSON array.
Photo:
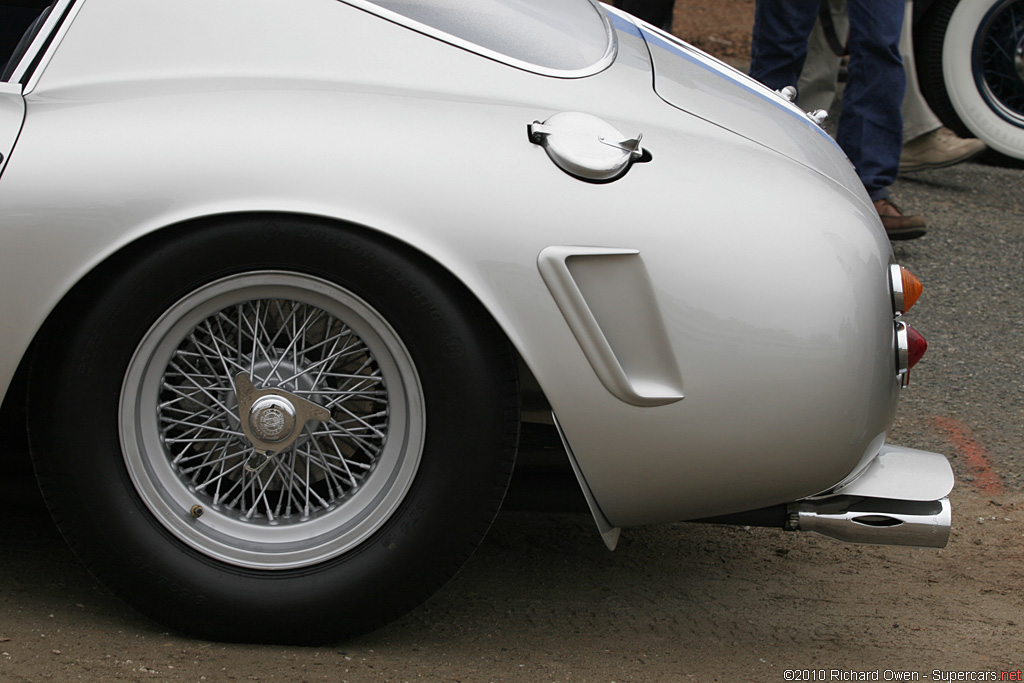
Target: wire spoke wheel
[
  {"x": 257, "y": 428},
  {"x": 998, "y": 59},
  {"x": 338, "y": 480},
  {"x": 970, "y": 63}
]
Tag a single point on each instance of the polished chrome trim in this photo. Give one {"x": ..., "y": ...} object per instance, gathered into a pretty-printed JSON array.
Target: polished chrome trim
[
  {"x": 877, "y": 520},
  {"x": 609, "y": 533},
  {"x": 901, "y": 473},
  {"x": 55, "y": 17},
  {"x": 899, "y": 306},
  {"x": 788, "y": 93},
  {"x": 902, "y": 353},
  {"x": 819, "y": 116},
  {"x": 597, "y": 67},
  {"x": 576, "y": 142}
]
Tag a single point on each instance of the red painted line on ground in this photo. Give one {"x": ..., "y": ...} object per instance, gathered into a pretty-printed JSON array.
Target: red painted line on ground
[{"x": 986, "y": 479}]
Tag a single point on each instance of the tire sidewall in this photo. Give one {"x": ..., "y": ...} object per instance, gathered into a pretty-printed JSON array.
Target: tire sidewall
[
  {"x": 456, "y": 490},
  {"x": 964, "y": 96}
]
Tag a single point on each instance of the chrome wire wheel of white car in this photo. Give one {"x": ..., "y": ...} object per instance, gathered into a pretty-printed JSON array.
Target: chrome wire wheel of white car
[
  {"x": 970, "y": 60},
  {"x": 258, "y": 428},
  {"x": 297, "y": 339}
]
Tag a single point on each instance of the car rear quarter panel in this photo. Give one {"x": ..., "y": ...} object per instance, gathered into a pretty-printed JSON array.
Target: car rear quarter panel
[{"x": 770, "y": 278}]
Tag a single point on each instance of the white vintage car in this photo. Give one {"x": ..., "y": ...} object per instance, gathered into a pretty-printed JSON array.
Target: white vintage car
[{"x": 281, "y": 279}]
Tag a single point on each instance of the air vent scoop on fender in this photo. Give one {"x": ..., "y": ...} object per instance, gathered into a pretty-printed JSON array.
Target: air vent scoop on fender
[{"x": 587, "y": 147}]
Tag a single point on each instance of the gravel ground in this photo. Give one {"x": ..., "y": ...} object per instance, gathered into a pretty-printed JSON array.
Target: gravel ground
[{"x": 543, "y": 600}]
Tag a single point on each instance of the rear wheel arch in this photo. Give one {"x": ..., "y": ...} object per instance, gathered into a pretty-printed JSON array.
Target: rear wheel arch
[{"x": 394, "y": 280}]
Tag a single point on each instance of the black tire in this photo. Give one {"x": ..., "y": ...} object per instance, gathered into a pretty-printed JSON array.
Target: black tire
[
  {"x": 968, "y": 70},
  {"x": 114, "y": 399}
]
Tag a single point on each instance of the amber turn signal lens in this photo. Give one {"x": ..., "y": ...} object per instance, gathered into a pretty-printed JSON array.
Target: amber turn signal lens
[
  {"x": 916, "y": 345},
  {"x": 912, "y": 288}
]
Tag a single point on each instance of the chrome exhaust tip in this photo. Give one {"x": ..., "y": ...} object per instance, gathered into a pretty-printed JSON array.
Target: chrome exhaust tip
[{"x": 881, "y": 521}]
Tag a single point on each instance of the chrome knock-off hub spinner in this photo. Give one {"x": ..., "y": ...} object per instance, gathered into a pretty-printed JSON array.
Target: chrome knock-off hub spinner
[{"x": 272, "y": 419}]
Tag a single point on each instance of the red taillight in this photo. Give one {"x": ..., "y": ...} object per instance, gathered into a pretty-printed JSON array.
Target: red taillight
[
  {"x": 916, "y": 346},
  {"x": 910, "y": 346}
]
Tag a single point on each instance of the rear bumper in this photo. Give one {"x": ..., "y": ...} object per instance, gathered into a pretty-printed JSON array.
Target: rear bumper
[
  {"x": 902, "y": 474},
  {"x": 899, "y": 499}
]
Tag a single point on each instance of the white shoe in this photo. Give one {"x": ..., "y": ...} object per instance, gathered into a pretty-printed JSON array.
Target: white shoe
[{"x": 937, "y": 149}]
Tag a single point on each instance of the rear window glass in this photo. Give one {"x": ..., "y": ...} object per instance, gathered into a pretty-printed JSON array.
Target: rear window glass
[
  {"x": 19, "y": 23},
  {"x": 541, "y": 35}
]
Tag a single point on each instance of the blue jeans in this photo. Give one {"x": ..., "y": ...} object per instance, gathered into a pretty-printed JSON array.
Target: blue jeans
[{"x": 871, "y": 125}]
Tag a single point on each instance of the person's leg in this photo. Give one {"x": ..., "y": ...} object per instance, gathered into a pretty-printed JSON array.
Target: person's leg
[
  {"x": 926, "y": 142},
  {"x": 871, "y": 125},
  {"x": 918, "y": 117},
  {"x": 655, "y": 12},
  {"x": 818, "y": 80},
  {"x": 779, "y": 45}
]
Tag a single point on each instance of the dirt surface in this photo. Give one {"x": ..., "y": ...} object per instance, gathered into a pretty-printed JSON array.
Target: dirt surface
[
  {"x": 721, "y": 28},
  {"x": 544, "y": 601}
]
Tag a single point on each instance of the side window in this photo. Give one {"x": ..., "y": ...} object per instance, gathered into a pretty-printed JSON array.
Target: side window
[
  {"x": 20, "y": 21},
  {"x": 553, "y": 37}
]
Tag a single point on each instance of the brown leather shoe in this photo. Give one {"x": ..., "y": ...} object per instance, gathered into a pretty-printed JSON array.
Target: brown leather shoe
[{"x": 897, "y": 226}]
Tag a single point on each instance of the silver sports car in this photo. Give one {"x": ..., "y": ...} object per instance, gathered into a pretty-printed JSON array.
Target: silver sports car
[{"x": 281, "y": 281}]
